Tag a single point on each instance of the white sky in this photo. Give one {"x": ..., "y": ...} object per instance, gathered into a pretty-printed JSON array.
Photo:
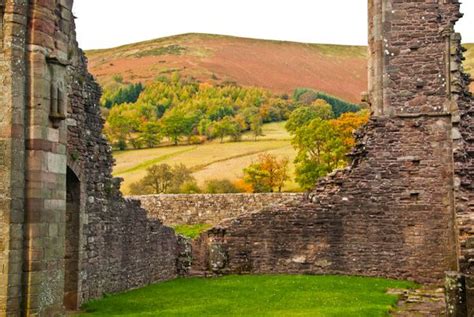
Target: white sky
[{"x": 108, "y": 23}]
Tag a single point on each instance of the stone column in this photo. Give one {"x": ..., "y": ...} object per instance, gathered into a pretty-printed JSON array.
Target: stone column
[
  {"x": 376, "y": 56},
  {"x": 12, "y": 155},
  {"x": 46, "y": 139}
]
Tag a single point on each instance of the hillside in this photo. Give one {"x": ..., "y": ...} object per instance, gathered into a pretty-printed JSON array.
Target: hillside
[
  {"x": 278, "y": 66},
  {"x": 213, "y": 160}
]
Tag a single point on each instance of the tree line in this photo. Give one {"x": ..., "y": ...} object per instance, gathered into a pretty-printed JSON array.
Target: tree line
[{"x": 180, "y": 110}]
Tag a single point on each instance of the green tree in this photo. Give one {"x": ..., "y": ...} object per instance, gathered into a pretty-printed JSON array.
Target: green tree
[
  {"x": 121, "y": 125},
  {"x": 150, "y": 133},
  {"x": 176, "y": 124},
  {"x": 181, "y": 175},
  {"x": 158, "y": 180},
  {"x": 320, "y": 151},
  {"x": 163, "y": 178},
  {"x": 305, "y": 114},
  {"x": 256, "y": 126}
]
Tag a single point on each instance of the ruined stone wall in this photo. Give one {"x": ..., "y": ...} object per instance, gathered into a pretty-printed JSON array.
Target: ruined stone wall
[
  {"x": 121, "y": 247},
  {"x": 62, "y": 245},
  {"x": 389, "y": 218},
  {"x": 463, "y": 134},
  {"x": 392, "y": 213},
  {"x": 208, "y": 208}
]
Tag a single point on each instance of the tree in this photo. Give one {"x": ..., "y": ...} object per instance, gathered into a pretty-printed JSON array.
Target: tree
[
  {"x": 150, "y": 133},
  {"x": 268, "y": 174},
  {"x": 256, "y": 125},
  {"x": 320, "y": 151},
  {"x": 226, "y": 127},
  {"x": 176, "y": 124},
  {"x": 159, "y": 178},
  {"x": 305, "y": 114},
  {"x": 122, "y": 122},
  {"x": 347, "y": 124},
  {"x": 299, "y": 118},
  {"x": 322, "y": 109},
  {"x": 181, "y": 175},
  {"x": 162, "y": 179}
]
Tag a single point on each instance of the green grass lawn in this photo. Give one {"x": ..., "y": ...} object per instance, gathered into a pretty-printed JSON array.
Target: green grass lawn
[
  {"x": 192, "y": 231},
  {"x": 262, "y": 296}
]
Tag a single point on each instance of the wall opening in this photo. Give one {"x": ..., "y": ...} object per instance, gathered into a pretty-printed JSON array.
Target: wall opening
[{"x": 71, "y": 276}]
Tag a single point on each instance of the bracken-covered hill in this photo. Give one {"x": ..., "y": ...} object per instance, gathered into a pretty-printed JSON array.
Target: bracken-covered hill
[{"x": 279, "y": 66}]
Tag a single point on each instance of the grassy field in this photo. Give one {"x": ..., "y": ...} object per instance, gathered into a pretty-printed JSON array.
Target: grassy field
[
  {"x": 328, "y": 296},
  {"x": 192, "y": 231},
  {"x": 213, "y": 160}
]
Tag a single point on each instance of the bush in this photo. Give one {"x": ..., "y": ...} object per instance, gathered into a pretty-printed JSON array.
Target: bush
[
  {"x": 190, "y": 188},
  {"x": 220, "y": 186}
]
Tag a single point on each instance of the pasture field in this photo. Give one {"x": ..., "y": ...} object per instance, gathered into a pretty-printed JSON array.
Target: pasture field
[{"x": 212, "y": 160}]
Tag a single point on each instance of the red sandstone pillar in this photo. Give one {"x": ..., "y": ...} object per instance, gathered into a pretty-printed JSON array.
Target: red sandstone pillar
[
  {"x": 50, "y": 25},
  {"x": 12, "y": 154}
]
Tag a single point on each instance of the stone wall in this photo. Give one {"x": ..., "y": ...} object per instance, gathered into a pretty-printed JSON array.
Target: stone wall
[
  {"x": 67, "y": 234},
  {"x": 387, "y": 215},
  {"x": 208, "y": 208},
  {"x": 392, "y": 212},
  {"x": 120, "y": 247}
]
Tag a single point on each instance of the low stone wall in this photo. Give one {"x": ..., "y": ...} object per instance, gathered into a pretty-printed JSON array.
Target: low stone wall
[{"x": 208, "y": 208}]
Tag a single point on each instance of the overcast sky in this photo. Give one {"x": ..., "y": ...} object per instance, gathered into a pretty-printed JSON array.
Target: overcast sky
[{"x": 109, "y": 23}]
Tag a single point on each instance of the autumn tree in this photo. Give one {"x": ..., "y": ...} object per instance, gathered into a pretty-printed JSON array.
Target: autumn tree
[
  {"x": 268, "y": 174},
  {"x": 347, "y": 124}
]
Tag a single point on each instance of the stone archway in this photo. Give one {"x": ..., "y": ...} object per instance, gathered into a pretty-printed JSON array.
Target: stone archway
[{"x": 72, "y": 241}]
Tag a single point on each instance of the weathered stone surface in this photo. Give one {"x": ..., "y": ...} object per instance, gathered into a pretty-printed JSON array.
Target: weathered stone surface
[
  {"x": 403, "y": 209},
  {"x": 392, "y": 212},
  {"x": 206, "y": 208},
  {"x": 67, "y": 234}
]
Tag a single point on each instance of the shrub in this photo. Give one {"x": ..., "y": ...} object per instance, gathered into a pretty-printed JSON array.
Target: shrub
[{"x": 220, "y": 186}]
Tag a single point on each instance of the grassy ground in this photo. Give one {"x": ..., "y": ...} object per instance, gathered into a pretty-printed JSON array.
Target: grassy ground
[
  {"x": 328, "y": 296},
  {"x": 212, "y": 160},
  {"x": 192, "y": 231}
]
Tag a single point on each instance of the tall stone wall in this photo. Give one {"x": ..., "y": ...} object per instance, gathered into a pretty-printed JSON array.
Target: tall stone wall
[
  {"x": 67, "y": 234},
  {"x": 393, "y": 211},
  {"x": 121, "y": 247},
  {"x": 210, "y": 209}
]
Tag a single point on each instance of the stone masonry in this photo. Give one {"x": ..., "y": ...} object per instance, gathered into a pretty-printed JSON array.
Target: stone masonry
[
  {"x": 402, "y": 209},
  {"x": 67, "y": 235},
  {"x": 210, "y": 209}
]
